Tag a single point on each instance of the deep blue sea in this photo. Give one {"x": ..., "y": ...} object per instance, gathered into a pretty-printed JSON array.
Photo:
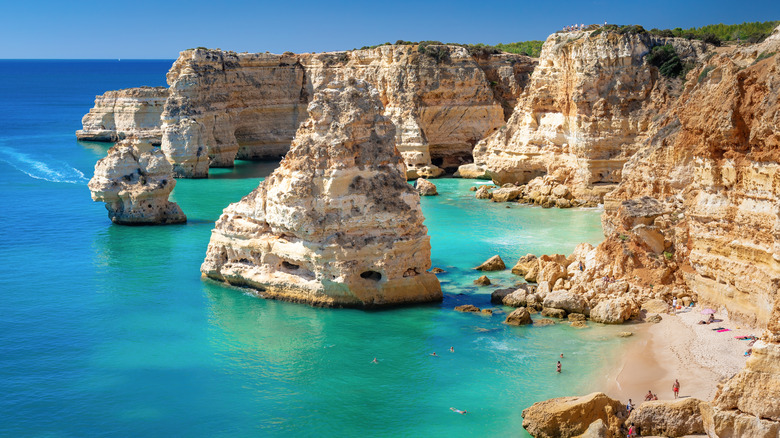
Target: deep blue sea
[{"x": 108, "y": 330}]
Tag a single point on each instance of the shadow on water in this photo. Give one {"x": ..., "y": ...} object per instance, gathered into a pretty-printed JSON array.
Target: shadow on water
[{"x": 245, "y": 169}]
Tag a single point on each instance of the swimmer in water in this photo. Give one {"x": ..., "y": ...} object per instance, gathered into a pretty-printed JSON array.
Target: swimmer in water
[
  {"x": 434, "y": 354},
  {"x": 458, "y": 411},
  {"x": 452, "y": 349},
  {"x": 559, "y": 366},
  {"x": 374, "y": 361}
]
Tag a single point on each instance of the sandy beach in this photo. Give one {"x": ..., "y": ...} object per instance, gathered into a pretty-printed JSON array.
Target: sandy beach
[{"x": 679, "y": 348}]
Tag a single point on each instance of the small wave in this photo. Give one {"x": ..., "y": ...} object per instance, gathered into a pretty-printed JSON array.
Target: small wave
[{"x": 52, "y": 171}]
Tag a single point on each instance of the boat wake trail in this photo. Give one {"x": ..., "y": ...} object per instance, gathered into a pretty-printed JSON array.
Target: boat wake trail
[{"x": 52, "y": 170}]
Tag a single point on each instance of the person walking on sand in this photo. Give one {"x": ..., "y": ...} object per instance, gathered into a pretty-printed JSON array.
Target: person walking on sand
[
  {"x": 674, "y": 304},
  {"x": 559, "y": 366},
  {"x": 676, "y": 388}
]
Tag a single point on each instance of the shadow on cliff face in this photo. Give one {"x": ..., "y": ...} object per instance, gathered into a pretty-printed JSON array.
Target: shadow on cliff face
[{"x": 245, "y": 169}]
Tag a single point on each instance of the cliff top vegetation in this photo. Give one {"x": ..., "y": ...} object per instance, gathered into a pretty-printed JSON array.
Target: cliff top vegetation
[{"x": 748, "y": 33}]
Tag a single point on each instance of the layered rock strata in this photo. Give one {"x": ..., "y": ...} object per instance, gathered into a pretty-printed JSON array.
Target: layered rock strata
[
  {"x": 590, "y": 102},
  {"x": 120, "y": 114},
  {"x": 336, "y": 224},
  {"x": 574, "y": 416},
  {"x": 135, "y": 180},
  {"x": 226, "y": 105}
]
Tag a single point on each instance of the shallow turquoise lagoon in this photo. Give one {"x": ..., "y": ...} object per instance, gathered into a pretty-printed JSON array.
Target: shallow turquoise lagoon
[{"x": 110, "y": 331}]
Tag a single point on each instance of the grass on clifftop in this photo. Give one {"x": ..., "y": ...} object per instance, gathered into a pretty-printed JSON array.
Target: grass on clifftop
[
  {"x": 751, "y": 33},
  {"x": 528, "y": 48}
]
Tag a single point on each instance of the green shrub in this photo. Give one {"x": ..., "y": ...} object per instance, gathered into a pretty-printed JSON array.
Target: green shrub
[
  {"x": 666, "y": 59},
  {"x": 528, "y": 48},
  {"x": 763, "y": 56},
  {"x": 706, "y": 71},
  {"x": 668, "y": 255}
]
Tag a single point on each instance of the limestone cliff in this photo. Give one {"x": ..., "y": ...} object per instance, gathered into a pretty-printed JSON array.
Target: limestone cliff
[
  {"x": 225, "y": 105},
  {"x": 135, "y": 180},
  {"x": 589, "y": 103},
  {"x": 132, "y": 112},
  {"x": 336, "y": 224}
]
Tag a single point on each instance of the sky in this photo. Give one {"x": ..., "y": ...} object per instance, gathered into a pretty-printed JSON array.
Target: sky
[{"x": 160, "y": 29}]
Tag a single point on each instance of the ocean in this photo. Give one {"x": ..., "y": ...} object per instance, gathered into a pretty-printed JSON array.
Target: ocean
[{"x": 108, "y": 330}]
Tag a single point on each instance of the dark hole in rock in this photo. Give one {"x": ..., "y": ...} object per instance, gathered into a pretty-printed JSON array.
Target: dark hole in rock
[
  {"x": 289, "y": 265},
  {"x": 371, "y": 275}
]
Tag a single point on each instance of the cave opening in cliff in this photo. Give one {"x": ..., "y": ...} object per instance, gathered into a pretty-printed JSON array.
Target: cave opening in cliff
[{"x": 371, "y": 275}]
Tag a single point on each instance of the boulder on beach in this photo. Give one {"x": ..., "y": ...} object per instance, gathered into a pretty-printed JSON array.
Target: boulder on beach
[
  {"x": 492, "y": 264},
  {"x": 668, "y": 417},
  {"x": 614, "y": 311},
  {"x": 554, "y": 313},
  {"x": 568, "y": 301},
  {"x": 497, "y": 297},
  {"x": 525, "y": 263},
  {"x": 567, "y": 417}
]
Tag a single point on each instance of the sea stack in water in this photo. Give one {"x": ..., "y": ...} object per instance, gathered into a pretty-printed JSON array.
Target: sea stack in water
[
  {"x": 336, "y": 224},
  {"x": 134, "y": 180}
]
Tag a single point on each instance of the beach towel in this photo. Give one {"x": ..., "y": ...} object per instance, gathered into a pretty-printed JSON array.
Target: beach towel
[
  {"x": 724, "y": 330},
  {"x": 717, "y": 329}
]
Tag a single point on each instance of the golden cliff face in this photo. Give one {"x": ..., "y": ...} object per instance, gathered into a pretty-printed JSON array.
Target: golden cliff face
[
  {"x": 717, "y": 153},
  {"x": 224, "y": 105},
  {"x": 132, "y": 112},
  {"x": 336, "y": 224},
  {"x": 590, "y": 102}
]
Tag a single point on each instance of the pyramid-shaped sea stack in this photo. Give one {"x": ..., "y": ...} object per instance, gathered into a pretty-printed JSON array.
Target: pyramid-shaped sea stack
[{"x": 336, "y": 224}]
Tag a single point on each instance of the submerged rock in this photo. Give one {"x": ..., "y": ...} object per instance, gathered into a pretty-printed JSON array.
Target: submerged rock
[
  {"x": 336, "y": 224},
  {"x": 135, "y": 180},
  {"x": 467, "y": 308}
]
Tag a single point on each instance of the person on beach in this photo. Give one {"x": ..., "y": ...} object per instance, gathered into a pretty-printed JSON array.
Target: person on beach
[
  {"x": 631, "y": 431},
  {"x": 649, "y": 395},
  {"x": 674, "y": 304},
  {"x": 464, "y": 412},
  {"x": 655, "y": 396},
  {"x": 630, "y": 406},
  {"x": 559, "y": 366},
  {"x": 676, "y": 388}
]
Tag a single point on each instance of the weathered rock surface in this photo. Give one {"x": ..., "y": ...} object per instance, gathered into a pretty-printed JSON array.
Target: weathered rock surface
[
  {"x": 120, "y": 114},
  {"x": 572, "y": 416},
  {"x": 492, "y": 264},
  {"x": 614, "y": 310},
  {"x": 425, "y": 187},
  {"x": 467, "y": 308},
  {"x": 135, "y": 180},
  {"x": 568, "y": 301},
  {"x": 519, "y": 316},
  {"x": 336, "y": 224},
  {"x": 482, "y": 281},
  {"x": 249, "y": 105},
  {"x": 671, "y": 418},
  {"x": 589, "y": 102}
]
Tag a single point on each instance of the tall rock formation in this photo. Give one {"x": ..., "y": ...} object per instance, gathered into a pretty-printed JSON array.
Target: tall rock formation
[
  {"x": 135, "y": 180},
  {"x": 119, "y": 114},
  {"x": 589, "y": 103},
  {"x": 441, "y": 106},
  {"x": 336, "y": 224},
  {"x": 226, "y": 105}
]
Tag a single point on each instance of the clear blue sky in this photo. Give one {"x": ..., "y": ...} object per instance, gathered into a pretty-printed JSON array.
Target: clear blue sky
[{"x": 160, "y": 29}]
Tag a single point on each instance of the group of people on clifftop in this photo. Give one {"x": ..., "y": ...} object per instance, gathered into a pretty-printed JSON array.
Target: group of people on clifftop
[{"x": 576, "y": 27}]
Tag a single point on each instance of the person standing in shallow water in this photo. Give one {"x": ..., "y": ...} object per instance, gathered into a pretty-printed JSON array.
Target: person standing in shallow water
[
  {"x": 559, "y": 366},
  {"x": 676, "y": 388}
]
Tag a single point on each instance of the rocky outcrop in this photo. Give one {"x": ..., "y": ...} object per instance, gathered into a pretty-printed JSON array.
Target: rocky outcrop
[
  {"x": 425, "y": 187},
  {"x": 572, "y": 416},
  {"x": 519, "y": 316},
  {"x": 748, "y": 404},
  {"x": 135, "y": 180},
  {"x": 225, "y": 105},
  {"x": 673, "y": 418},
  {"x": 614, "y": 310},
  {"x": 336, "y": 224},
  {"x": 589, "y": 103},
  {"x": 492, "y": 264},
  {"x": 120, "y": 114}
]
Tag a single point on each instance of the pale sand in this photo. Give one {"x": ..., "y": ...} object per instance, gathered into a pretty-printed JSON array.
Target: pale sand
[{"x": 678, "y": 348}]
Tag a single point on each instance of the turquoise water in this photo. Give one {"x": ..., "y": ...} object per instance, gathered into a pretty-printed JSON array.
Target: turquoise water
[{"x": 110, "y": 331}]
